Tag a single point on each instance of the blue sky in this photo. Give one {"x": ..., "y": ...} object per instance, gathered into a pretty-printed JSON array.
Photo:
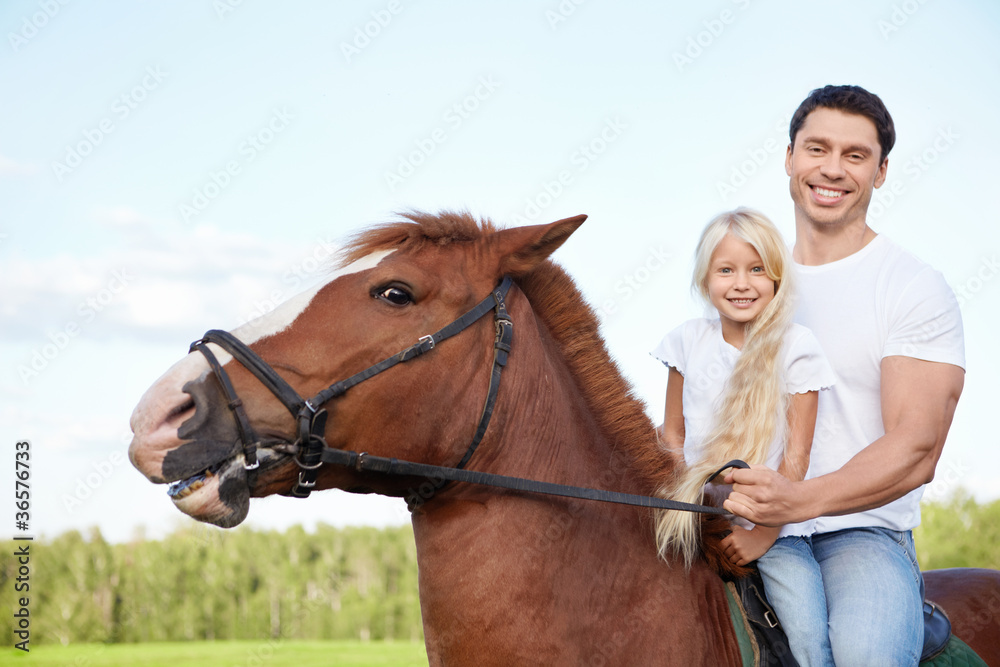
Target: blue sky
[{"x": 166, "y": 168}]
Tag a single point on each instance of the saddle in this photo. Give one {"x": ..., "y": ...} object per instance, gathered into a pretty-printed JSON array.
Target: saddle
[
  {"x": 763, "y": 642},
  {"x": 761, "y": 638}
]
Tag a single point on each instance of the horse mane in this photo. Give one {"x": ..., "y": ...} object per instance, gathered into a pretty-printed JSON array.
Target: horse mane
[
  {"x": 417, "y": 228},
  {"x": 574, "y": 326}
]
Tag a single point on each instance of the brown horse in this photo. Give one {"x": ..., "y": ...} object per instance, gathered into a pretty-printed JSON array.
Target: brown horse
[{"x": 505, "y": 577}]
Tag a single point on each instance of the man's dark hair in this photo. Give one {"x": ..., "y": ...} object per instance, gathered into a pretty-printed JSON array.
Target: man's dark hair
[{"x": 850, "y": 99}]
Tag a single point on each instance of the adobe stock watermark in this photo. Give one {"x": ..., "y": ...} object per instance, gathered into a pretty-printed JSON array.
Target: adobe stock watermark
[
  {"x": 633, "y": 282},
  {"x": 223, "y": 8},
  {"x": 88, "y": 310},
  {"x": 900, "y": 16},
  {"x": 946, "y": 482},
  {"x": 454, "y": 117},
  {"x": 583, "y": 156},
  {"x": 34, "y": 24},
  {"x": 914, "y": 169},
  {"x": 608, "y": 651},
  {"x": 261, "y": 655},
  {"x": 756, "y": 157},
  {"x": 365, "y": 34},
  {"x": 122, "y": 107},
  {"x": 974, "y": 284},
  {"x": 563, "y": 523},
  {"x": 87, "y": 484},
  {"x": 249, "y": 149},
  {"x": 926, "y": 332},
  {"x": 698, "y": 43},
  {"x": 561, "y": 12},
  {"x": 447, "y": 635},
  {"x": 975, "y": 619},
  {"x": 297, "y": 275}
]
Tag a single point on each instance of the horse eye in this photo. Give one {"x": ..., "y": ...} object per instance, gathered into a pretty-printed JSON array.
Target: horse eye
[{"x": 394, "y": 295}]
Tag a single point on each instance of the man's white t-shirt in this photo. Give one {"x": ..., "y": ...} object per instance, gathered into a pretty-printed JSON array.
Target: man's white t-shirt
[
  {"x": 699, "y": 352},
  {"x": 879, "y": 302}
]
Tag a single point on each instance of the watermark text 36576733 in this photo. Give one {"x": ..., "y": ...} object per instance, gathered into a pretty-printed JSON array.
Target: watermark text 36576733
[{"x": 22, "y": 553}]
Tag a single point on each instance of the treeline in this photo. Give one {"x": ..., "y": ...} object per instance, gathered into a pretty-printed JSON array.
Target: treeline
[
  {"x": 351, "y": 583},
  {"x": 958, "y": 532},
  {"x": 205, "y": 583}
]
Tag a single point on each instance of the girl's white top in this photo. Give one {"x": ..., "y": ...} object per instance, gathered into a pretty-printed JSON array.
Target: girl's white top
[{"x": 699, "y": 352}]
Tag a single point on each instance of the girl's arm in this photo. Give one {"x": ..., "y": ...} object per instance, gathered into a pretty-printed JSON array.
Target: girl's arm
[
  {"x": 801, "y": 426},
  {"x": 745, "y": 546},
  {"x": 672, "y": 435}
]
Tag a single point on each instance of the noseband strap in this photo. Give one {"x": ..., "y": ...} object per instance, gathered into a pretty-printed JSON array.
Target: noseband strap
[
  {"x": 310, "y": 415},
  {"x": 247, "y": 436}
]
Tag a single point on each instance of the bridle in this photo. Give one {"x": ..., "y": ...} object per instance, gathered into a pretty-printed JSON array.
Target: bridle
[
  {"x": 310, "y": 416},
  {"x": 310, "y": 450}
]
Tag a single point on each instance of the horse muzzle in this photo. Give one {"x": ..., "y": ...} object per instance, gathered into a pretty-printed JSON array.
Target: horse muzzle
[{"x": 183, "y": 436}]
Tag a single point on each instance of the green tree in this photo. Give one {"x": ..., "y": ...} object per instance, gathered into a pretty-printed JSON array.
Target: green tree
[
  {"x": 207, "y": 583},
  {"x": 958, "y": 532}
]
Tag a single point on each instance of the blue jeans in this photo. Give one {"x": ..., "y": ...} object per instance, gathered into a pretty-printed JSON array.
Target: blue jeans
[{"x": 851, "y": 597}]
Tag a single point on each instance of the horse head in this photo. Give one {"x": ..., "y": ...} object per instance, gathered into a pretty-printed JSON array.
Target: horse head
[{"x": 397, "y": 282}]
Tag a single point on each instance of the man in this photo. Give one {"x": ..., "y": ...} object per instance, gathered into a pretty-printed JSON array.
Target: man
[{"x": 891, "y": 328}]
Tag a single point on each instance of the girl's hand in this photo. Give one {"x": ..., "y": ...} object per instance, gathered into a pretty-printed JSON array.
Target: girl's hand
[{"x": 744, "y": 546}]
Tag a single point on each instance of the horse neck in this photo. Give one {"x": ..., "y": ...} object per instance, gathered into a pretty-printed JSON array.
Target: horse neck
[
  {"x": 486, "y": 556},
  {"x": 543, "y": 427}
]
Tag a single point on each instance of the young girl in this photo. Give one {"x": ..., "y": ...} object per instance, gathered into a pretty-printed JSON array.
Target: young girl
[{"x": 743, "y": 386}]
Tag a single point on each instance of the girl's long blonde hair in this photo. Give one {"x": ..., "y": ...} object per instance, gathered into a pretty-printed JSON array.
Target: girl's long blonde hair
[{"x": 754, "y": 405}]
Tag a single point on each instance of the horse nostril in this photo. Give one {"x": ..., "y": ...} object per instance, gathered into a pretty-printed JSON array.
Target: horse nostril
[
  {"x": 179, "y": 412},
  {"x": 199, "y": 409},
  {"x": 206, "y": 415}
]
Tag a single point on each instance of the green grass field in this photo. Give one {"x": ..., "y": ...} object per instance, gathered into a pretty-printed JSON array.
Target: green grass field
[{"x": 225, "y": 654}]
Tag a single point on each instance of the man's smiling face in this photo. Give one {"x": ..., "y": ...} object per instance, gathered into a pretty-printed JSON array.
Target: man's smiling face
[{"x": 834, "y": 167}]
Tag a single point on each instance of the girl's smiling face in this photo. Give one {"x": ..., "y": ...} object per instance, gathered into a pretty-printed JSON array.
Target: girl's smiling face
[{"x": 738, "y": 286}]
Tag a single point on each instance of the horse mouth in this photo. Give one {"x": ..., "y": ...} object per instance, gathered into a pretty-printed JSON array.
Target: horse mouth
[
  {"x": 219, "y": 494},
  {"x": 183, "y": 488}
]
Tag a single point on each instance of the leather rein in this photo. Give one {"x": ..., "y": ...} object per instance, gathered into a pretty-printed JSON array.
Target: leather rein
[{"x": 310, "y": 450}]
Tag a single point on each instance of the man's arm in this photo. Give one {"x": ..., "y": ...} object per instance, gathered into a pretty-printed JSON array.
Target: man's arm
[{"x": 918, "y": 404}]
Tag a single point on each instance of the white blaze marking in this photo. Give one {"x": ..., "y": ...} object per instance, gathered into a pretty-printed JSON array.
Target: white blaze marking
[{"x": 285, "y": 314}]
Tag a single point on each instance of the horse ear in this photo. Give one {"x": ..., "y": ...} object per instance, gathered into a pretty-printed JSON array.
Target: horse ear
[{"x": 523, "y": 248}]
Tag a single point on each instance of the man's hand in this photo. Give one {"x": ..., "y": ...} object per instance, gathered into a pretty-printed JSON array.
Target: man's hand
[
  {"x": 765, "y": 497},
  {"x": 744, "y": 546}
]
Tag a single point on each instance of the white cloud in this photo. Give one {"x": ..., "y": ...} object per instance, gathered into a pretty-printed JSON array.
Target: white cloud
[
  {"x": 119, "y": 216},
  {"x": 160, "y": 281},
  {"x": 10, "y": 167}
]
